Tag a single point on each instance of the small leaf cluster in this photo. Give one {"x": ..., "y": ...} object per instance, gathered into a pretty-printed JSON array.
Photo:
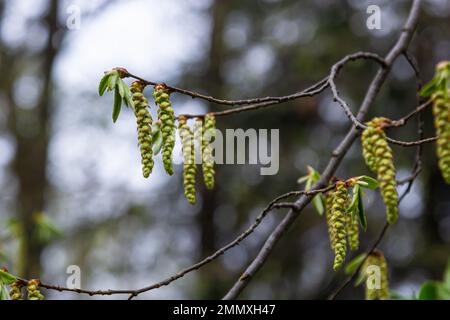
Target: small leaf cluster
[
  {"x": 309, "y": 180},
  {"x": 6, "y": 279},
  {"x": 112, "y": 81}
]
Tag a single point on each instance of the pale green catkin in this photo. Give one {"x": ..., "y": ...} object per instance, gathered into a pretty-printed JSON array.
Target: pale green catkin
[
  {"x": 352, "y": 232},
  {"x": 376, "y": 260},
  {"x": 198, "y": 135},
  {"x": 208, "y": 136},
  {"x": 16, "y": 291},
  {"x": 328, "y": 213},
  {"x": 166, "y": 115},
  {"x": 188, "y": 150},
  {"x": 338, "y": 221},
  {"x": 33, "y": 290},
  {"x": 441, "y": 113},
  {"x": 144, "y": 127},
  {"x": 379, "y": 158}
]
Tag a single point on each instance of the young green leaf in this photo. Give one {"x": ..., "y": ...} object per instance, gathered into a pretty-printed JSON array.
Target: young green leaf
[
  {"x": 318, "y": 204},
  {"x": 117, "y": 105},
  {"x": 428, "y": 89},
  {"x": 128, "y": 100},
  {"x": 302, "y": 179},
  {"x": 361, "y": 211},
  {"x": 353, "y": 264},
  {"x": 103, "y": 84},
  {"x": 354, "y": 203},
  {"x": 121, "y": 86},
  {"x": 361, "y": 277},
  {"x": 112, "y": 81},
  {"x": 4, "y": 295},
  {"x": 368, "y": 182},
  {"x": 315, "y": 175},
  {"x": 157, "y": 142},
  {"x": 7, "y": 278}
]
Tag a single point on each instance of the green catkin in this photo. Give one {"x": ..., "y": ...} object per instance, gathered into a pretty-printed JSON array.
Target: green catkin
[
  {"x": 144, "y": 127},
  {"x": 441, "y": 113},
  {"x": 369, "y": 138},
  {"x": 188, "y": 150},
  {"x": 166, "y": 115},
  {"x": 379, "y": 158},
  {"x": 352, "y": 232},
  {"x": 338, "y": 221},
  {"x": 16, "y": 291},
  {"x": 209, "y": 132},
  {"x": 377, "y": 259},
  {"x": 328, "y": 205},
  {"x": 33, "y": 290}
]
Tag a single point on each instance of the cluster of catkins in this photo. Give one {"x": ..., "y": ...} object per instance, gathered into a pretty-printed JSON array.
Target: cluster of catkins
[
  {"x": 441, "y": 113},
  {"x": 342, "y": 227},
  {"x": 204, "y": 134},
  {"x": 379, "y": 159},
  {"x": 375, "y": 272},
  {"x": 32, "y": 289}
]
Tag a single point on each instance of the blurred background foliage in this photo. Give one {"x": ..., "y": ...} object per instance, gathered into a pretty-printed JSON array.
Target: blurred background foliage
[{"x": 71, "y": 192}]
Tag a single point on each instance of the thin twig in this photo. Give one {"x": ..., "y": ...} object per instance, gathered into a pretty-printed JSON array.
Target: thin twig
[{"x": 274, "y": 204}]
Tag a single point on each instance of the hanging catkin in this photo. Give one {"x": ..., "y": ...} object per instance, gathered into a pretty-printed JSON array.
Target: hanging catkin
[
  {"x": 441, "y": 113},
  {"x": 16, "y": 290},
  {"x": 188, "y": 151},
  {"x": 376, "y": 273},
  {"x": 338, "y": 221},
  {"x": 166, "y": 115},
  {"x": 208, "y": 136},
  {"x": 33, "y": 290},
  {"x": 379, "y": 158},
  {"x": 328, "y": 213},
  {"x": 144, "y": 127}
]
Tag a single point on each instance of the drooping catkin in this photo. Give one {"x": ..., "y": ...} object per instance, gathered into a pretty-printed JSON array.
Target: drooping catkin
[
  {"x": 441, "y": 113},
  {"x": 188, "y": 150},
  {"x": 352, "y": 232},
  {"x": 338, "y": 222},
  {"x": 166, "y": 115},
  {"x": 328, "y": 205},
  {"x": 379, "y": 158},
  {"x": 144, "y": 127},
  {"x": 16, "y": 291},
  {"x": 375, "y": 271},
  {"x": 208, "y": 136},
  {"x": 33, "y": 290}
]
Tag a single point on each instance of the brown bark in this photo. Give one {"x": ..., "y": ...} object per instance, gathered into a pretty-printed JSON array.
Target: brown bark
[{"x": 30, "y": 161}]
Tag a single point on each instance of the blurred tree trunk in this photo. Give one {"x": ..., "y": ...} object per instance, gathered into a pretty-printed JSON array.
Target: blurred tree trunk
[
  {"x": 32, "y": 140},
  {"x": 213, "y": 84}
]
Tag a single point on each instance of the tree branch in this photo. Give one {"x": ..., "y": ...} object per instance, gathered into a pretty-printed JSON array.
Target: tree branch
[{"x": 400, "y": 46}]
